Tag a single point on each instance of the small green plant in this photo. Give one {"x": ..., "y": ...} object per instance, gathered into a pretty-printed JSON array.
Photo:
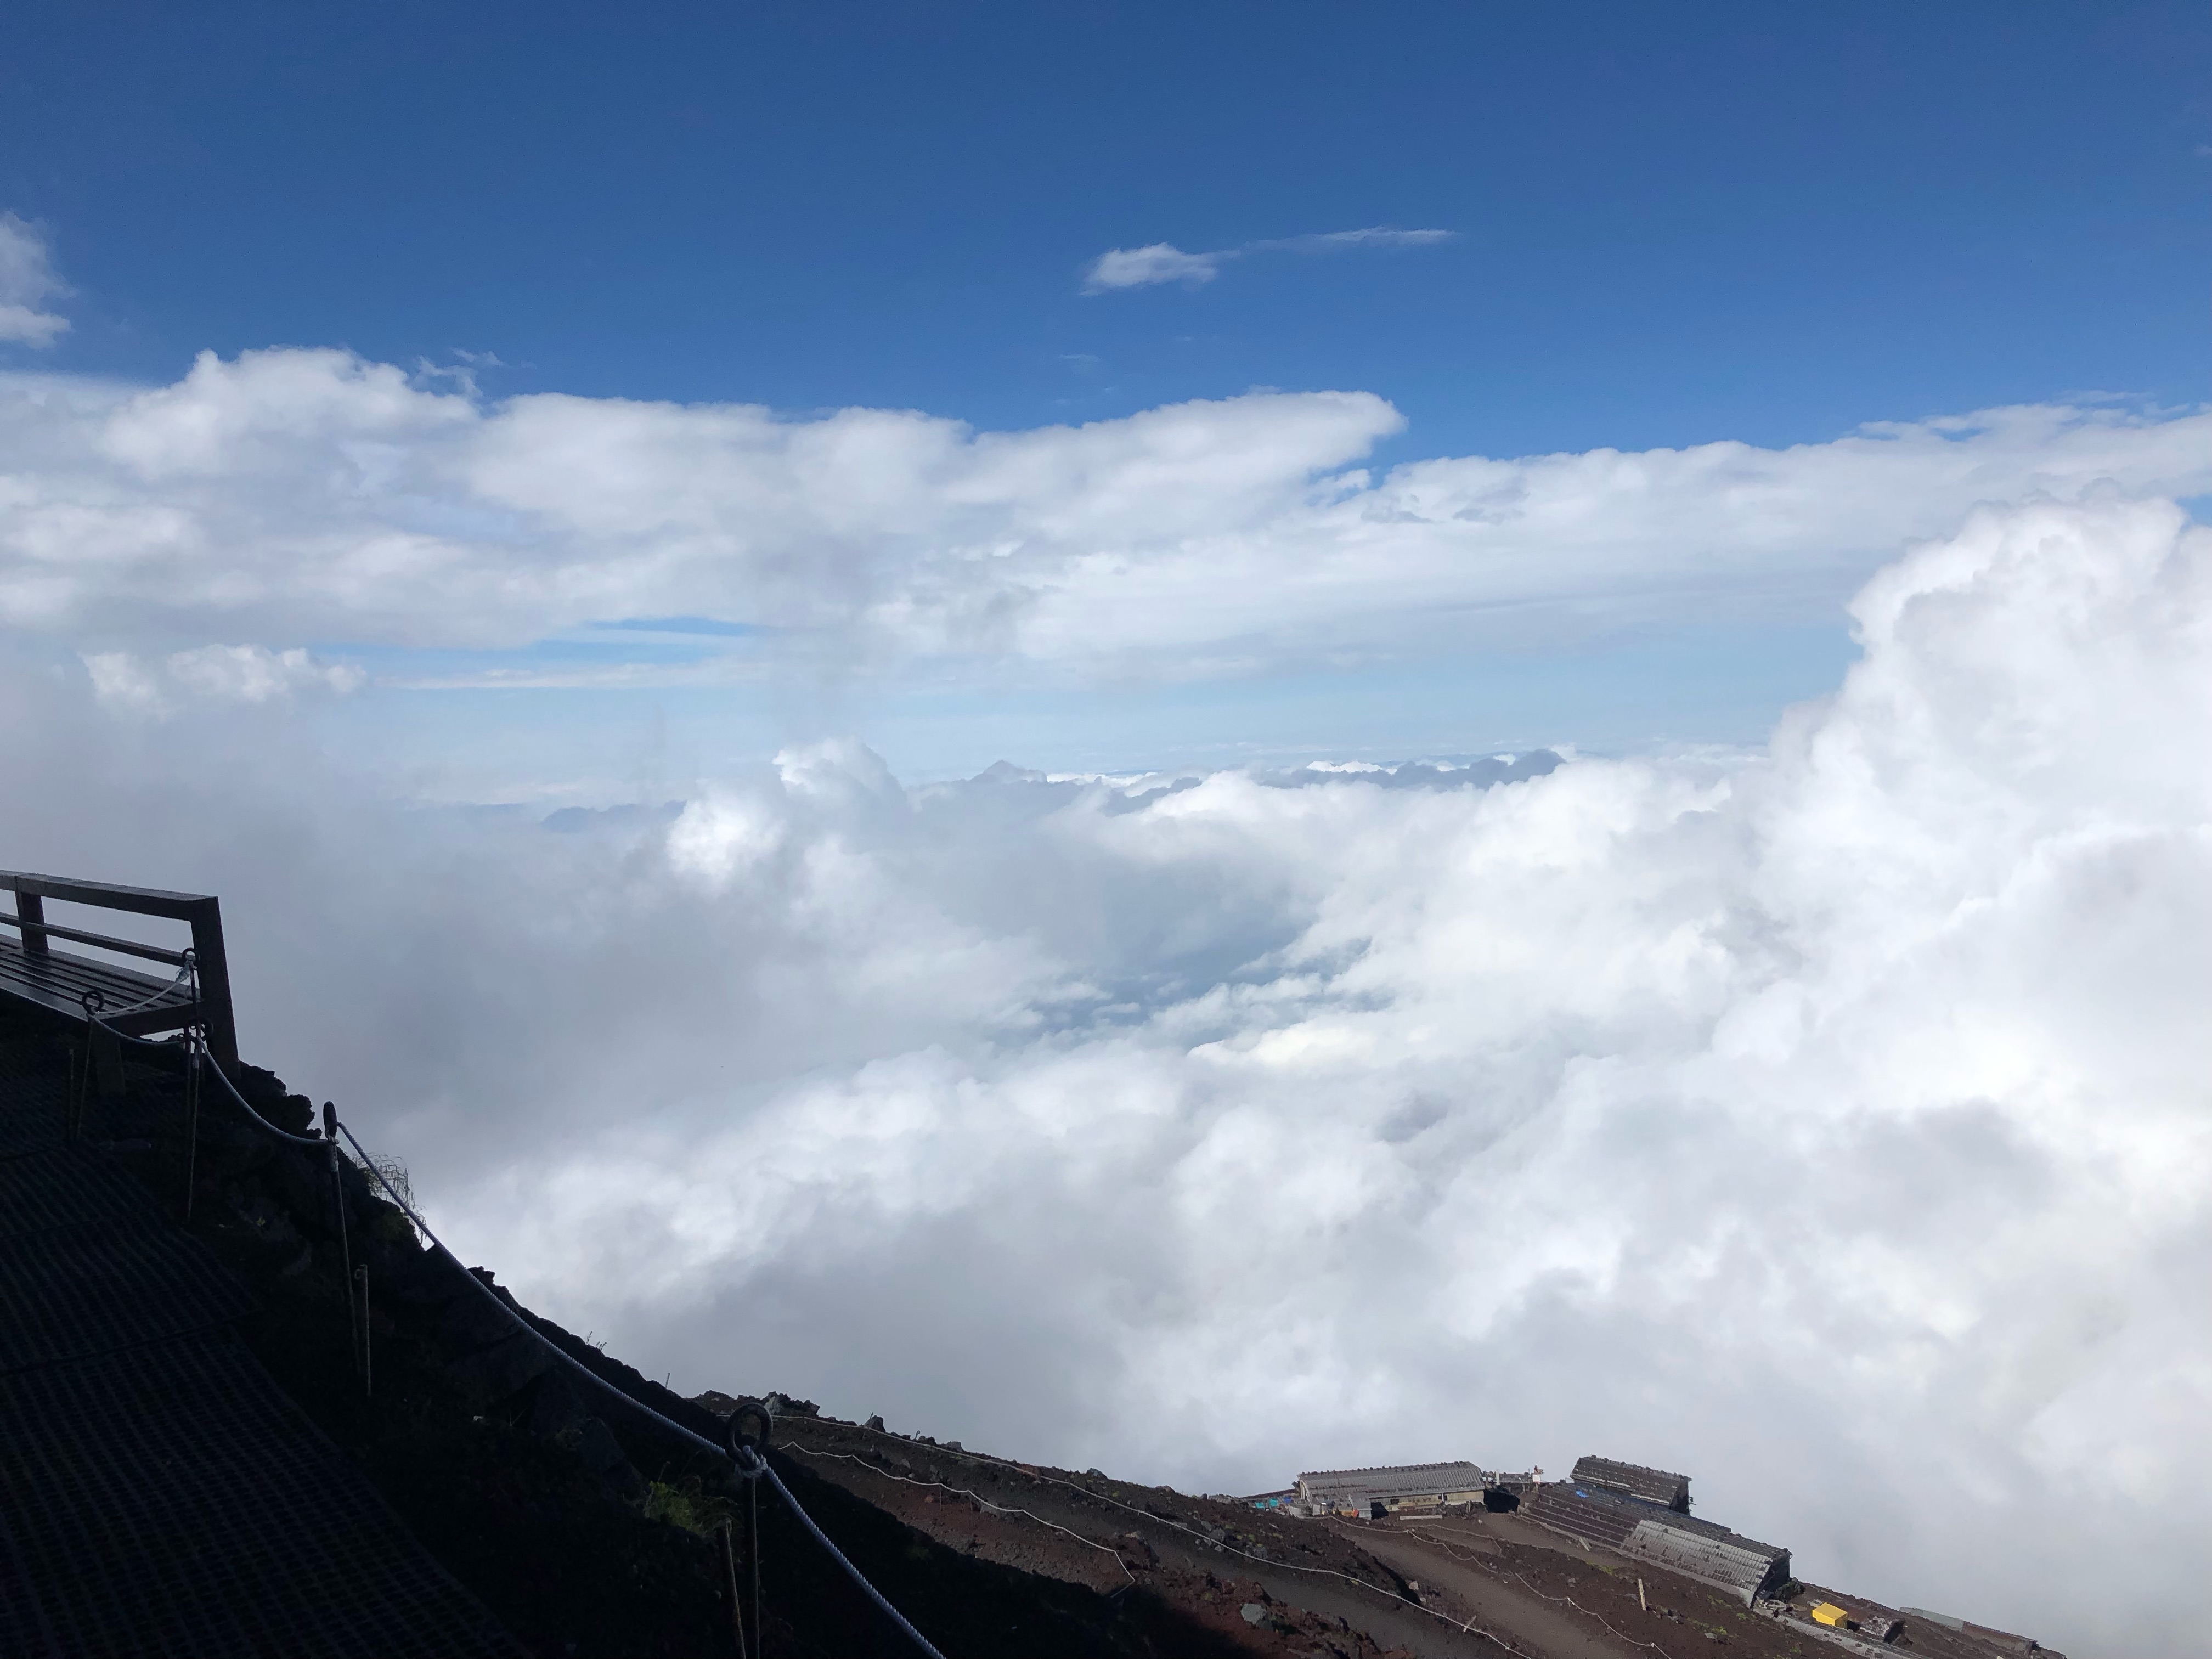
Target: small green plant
[{"x": 677, "y": 1507}]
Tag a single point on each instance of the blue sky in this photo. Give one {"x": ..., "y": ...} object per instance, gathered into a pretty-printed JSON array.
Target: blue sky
[{"x": 1665, "y": 228}]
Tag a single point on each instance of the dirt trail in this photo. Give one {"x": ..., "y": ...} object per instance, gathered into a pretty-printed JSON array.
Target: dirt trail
[{"x": 1522, "y": 1620}]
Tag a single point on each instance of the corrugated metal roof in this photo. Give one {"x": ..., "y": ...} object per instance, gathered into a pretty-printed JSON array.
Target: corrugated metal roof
[
  {"x": 1702, "y": 1549},
  {"x": 1586, "y": 1513},
  {"x": 1653, "y": 1486},
  {"x": 1391, "y": 1480},
  {"x": 1730, "y": 1562},
  {"x": 1632, "y": 1511}
]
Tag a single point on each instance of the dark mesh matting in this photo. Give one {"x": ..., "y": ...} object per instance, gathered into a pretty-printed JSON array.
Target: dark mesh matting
[
  {"x": 66, "y": 1186},
  {"x": 172, "y": 1500},
  {"x": 31, "y": 1112},
  {"x": 95, "y": 1287},
  {"x": 24, "y": 1627}
]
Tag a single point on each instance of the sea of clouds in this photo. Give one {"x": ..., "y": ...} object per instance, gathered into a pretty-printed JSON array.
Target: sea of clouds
[{"x": 1830, "y": 1121}]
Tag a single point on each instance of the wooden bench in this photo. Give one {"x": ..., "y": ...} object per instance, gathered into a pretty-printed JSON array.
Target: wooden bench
[{"x": 58, "y": 983}]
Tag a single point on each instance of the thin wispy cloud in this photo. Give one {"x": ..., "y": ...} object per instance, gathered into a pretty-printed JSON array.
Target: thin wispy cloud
[
  {"x": 28, "y": 279},
  {"x": 1164, "y": 262}
]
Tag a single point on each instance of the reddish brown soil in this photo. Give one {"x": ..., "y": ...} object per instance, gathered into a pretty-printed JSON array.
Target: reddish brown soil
[{"x": 1473, "y": 1584}]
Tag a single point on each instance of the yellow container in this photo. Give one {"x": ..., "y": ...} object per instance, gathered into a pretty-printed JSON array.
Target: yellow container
[{"x": 1827, "y": 1613}]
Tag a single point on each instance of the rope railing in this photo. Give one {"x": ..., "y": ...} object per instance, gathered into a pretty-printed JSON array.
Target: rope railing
[
  {"x": 95, "y": 1000},
  {"x": 750, "y": 1464},
  {"x": 964, "y": 1491},
  {"x": 96, "y": 1016},
  {"x": 1522, "y": 1579},
  {"x": 200, "y": 1059}
]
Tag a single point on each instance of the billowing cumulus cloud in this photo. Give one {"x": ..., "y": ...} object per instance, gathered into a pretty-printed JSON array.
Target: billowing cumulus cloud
[
  {"x": 308, "y": 496},
  {"x": 1829, "y": 1122}
]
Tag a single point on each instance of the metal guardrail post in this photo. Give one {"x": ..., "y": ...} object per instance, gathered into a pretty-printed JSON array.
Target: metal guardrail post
[
  {"x": 30, "y": 910},
  {"x": 202, "y": 911},
  {"x": 214, "y": 970}
]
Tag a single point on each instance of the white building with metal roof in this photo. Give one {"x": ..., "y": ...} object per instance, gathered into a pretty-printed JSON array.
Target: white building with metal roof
[{"x": 1398, "y": 1485}]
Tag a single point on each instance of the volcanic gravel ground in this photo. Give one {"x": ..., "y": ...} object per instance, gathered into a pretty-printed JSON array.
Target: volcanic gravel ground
[
  {"x": 1463, "y": 1563},
  {"x": 1312, "y": 1592},
  {"x": 1445, "y": 1585}
]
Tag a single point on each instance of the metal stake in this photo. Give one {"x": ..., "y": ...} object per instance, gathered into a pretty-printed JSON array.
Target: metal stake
[
  {"x": 191, "y": 1123},
  {"x": 361, "y": 1275},
  {"x": 753, "y": 1549},
  {"x": 730, "y": 1576},
  {"x": 356, "y": 1308}
]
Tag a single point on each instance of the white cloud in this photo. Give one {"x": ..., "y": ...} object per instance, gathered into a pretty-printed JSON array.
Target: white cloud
[
  {"x": 215, "y": 674},
  {"x": 1830, "y": 1124},
  {"x": 26, "y": 279},
  {"x": 308, "y": 494},
  {"x": 1332, "y": 241},
  {"x": 1155, "y": 263},
  {"x": 1164, "y": 262}
]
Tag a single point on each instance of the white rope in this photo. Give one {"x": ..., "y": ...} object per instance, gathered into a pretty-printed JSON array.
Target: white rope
[
  {"x": 95, "y": 1014},
  {"x": 851, "y": 1571},
  {"x": 758, "y": 1469},
  {"x": 207, "y": 1062},
  {"x": 1473, "y": 1560},
  {"x": 996, "y": 1509},
  {"x": 92, "y": 999}
]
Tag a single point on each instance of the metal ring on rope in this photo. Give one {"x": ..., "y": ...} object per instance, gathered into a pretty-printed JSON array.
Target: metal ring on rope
[
  {"x": 94, "y": 1001},
  {"x": 750, "y": 1423}
]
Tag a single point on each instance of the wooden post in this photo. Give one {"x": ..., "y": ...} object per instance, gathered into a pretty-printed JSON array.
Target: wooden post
[
  {"x": 214, "y": 983},
  {"x": 30, "y": 910}
]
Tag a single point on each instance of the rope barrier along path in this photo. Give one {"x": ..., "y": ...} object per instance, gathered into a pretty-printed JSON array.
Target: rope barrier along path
[
  {"x": 1499, "y": 1572},
  {"x": 97, "y": 1014},
  {"x": 207, "y": 1063},
  {"x": 1467, "y": 1626},
  {"x": 838, "y": 1556},
  {"x": 752, "y": 1466},
  {"x": 962, "y": 1492},
  {"x": 95, "y": 1000}
]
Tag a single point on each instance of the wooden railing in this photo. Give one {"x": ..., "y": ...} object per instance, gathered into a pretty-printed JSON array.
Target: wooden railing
[{"x": 55, "y": 980}]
